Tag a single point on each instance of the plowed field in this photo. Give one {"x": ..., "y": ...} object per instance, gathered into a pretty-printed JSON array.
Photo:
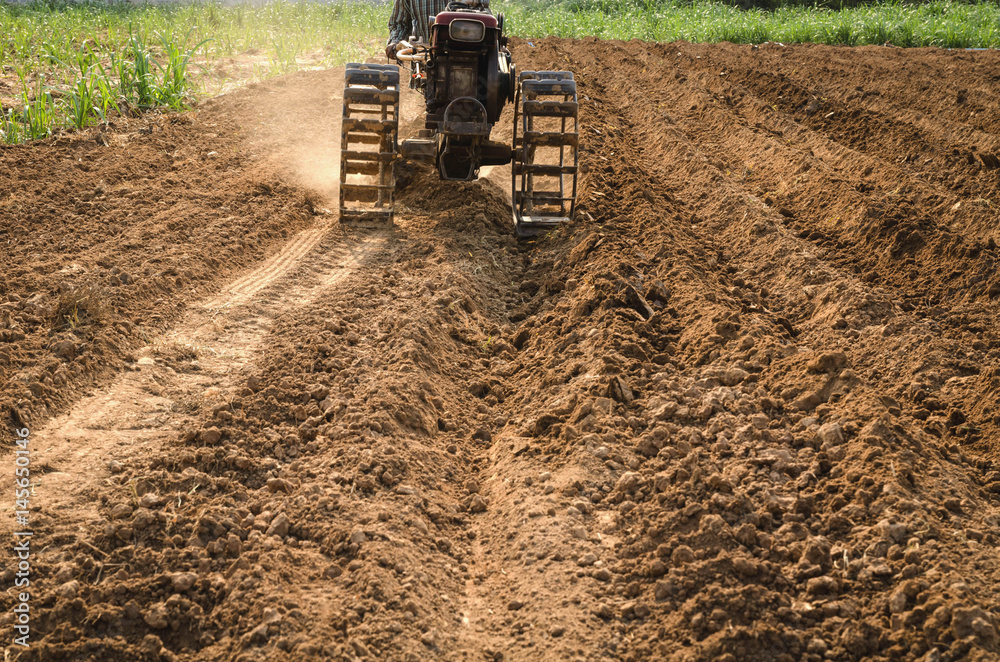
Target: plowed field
[{"x": 744, "y": 408}]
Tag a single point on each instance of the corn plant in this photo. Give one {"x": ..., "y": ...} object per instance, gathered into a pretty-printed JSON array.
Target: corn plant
[
  {"x": 284, "y": 59},
  {"x": 81, "y": 101},
  {"x": 106, "y": 93},
  {"x": 137, "y": 75},
  {"x": 11, "y": 131},
  {"x": 173, "y": 91},
  {"x": 39, "y": 115}
]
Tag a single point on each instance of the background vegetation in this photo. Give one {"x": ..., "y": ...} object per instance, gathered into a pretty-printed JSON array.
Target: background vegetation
[
  {"x": 66, "y": 65},
  {"x": 74, "y": 64},
  {"x": 943, "y": 23}
]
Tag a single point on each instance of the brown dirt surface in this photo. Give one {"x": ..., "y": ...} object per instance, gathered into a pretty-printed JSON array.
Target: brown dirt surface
[{"x": 744, "y": 408}]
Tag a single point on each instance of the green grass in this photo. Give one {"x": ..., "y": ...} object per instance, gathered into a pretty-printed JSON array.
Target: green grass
[
  {"x": 74, "y": 64},
  {"x": 943, "y": 23}
]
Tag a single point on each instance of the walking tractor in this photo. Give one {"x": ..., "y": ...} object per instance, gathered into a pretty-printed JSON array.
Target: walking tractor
[{"x": 466, "y": 76}]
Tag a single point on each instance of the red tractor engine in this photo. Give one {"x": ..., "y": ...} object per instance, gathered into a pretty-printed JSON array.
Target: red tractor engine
[{"x": 467, "y": 77}]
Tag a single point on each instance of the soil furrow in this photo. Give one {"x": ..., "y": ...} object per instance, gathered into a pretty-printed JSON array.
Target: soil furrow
[
  {"x": 962, "y": 97},
  {"x": 851, "y": 212},
  {"x": 856, "y": 118},
  {"x": 770, "y": 257},
  {"x": 707, "y": 420},
  {"x": 908, "y": 271}
]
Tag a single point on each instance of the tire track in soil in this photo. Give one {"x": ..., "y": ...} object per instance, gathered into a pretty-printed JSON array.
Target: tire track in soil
[
  {"x": 198, "y": 363},
  {"x": 242, "y": 290}
]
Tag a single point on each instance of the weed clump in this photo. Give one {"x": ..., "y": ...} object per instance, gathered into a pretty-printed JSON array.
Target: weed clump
[{"x": 79, "y": 308}]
